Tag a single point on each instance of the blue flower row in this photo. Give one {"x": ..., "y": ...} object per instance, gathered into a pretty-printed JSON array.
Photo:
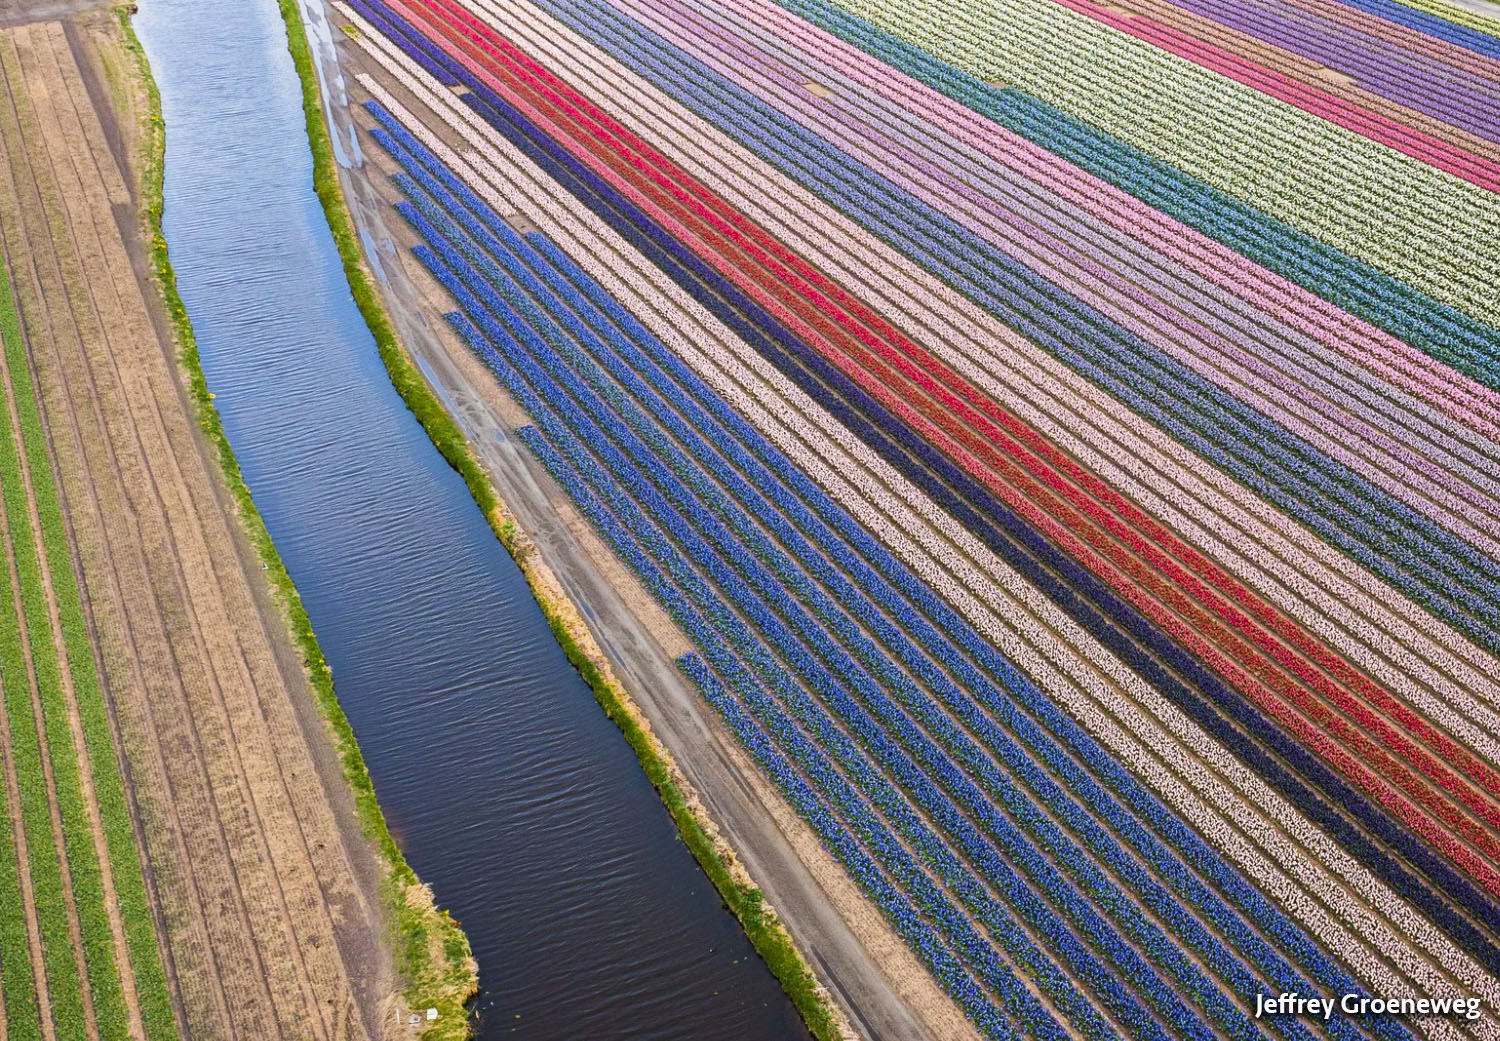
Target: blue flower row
[
  {"x": 497, "y": 319},
  {"x": 1432, "y": 25},
  {"x": 404, "y": 37},
  {"x": 569, "y": 315},
  {"x": 952, "y": 738},
  {"x": 762, "y": 332}
]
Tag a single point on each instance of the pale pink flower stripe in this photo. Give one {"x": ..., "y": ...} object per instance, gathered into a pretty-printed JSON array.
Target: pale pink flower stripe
[
  {"x": 829, "y": 240},
  {"x": 1431, "y": 485},
  {"x": 1363, "y": 344},
  {"x": 1308, "y": 892}
]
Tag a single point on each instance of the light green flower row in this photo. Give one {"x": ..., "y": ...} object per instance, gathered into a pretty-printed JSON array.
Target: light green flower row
[
  {"x": 1430, "y": 229},
  {"x": 1475, "y": 20}
]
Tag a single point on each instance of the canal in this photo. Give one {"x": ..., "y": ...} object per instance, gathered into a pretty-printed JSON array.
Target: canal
[{"x": 508, "y": 789}]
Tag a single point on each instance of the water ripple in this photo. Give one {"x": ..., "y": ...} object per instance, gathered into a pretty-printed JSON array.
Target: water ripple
[{"x": 513, "y": 795}]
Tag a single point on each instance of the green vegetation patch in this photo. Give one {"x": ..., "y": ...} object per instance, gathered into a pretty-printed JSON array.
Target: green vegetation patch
[
  {"x": 114, "y": 812},
  {"x": 432, "y": 953},
  {"x": 55, "y": 740},
  {"x": 766, "y": 933}
]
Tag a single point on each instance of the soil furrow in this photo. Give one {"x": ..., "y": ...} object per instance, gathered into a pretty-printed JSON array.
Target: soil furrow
[{"x": 23, "y": 859}]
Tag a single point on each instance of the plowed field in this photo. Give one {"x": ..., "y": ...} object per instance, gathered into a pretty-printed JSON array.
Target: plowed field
[{"x": 179, "y": 854}]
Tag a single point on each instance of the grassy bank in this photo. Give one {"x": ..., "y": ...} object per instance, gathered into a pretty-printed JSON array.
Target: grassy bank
[
  {"x": 765, "y": 931},
  {"x": 432, "y": 953}
]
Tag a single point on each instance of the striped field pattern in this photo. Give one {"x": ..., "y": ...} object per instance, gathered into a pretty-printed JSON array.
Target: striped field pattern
[{"x": 1068, "y": 434}]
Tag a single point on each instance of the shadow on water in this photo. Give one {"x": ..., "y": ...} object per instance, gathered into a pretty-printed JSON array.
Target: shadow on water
[{"x": 510, "y": 791}]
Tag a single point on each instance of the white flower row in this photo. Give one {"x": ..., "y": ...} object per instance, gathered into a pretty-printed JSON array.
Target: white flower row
[
  {"x": 885, "y": 277},
  {"x": 1084, "y": 688}
]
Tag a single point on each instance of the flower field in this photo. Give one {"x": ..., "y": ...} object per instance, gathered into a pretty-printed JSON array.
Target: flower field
[{"x": 1067, "y": 434}]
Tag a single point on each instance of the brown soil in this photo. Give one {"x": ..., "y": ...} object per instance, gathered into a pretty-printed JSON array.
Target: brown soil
[{"x": 267, "y": 895}]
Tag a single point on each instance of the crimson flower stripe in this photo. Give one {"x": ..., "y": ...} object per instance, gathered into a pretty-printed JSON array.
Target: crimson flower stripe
[
  {"x": 1320, "y": 655},
  {"x": 796, "y": 293},
  {"x": 1168, "y": 483}
]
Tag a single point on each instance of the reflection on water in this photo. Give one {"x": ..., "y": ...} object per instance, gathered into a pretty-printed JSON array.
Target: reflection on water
[{"x": 510, "y": 791}]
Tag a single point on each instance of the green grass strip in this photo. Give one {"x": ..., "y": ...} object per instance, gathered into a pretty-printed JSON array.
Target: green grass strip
[
  {"x": 17, "y": 984},
  {"x": 766, "y": 933},
  {"x": 63, "y": 985},
  {"x": 432, "y": 953}
]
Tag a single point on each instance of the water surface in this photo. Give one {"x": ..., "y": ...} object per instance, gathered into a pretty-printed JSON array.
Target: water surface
[{"x": 509, "y": 790}]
